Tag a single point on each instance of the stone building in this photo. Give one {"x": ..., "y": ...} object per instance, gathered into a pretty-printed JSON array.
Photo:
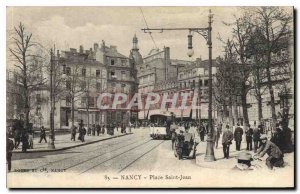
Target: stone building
[{"x": 121, "y": 78}]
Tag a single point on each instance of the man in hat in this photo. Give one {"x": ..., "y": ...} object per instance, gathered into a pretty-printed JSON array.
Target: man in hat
[
  {"x": 244, "y": 161},
  {"x": 226, "y": 141},
  {"x": 238, "y": 134},
  {"x": 42, "y": 134},
  {"x": 275, "y": 155}
]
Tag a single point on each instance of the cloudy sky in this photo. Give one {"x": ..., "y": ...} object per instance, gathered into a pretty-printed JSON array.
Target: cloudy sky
[{"x": 73, "y": 26}]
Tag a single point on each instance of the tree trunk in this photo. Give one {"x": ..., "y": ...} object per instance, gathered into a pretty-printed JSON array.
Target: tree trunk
[
  {"x": 244, "y": 105},
  {"x": 230, "y": 115},
  {"x": 235, "y": 110},
  {"x": 72, "y": 111},
  {"x": 271, "y": 91},
  {"x": 259, "y": 104}
]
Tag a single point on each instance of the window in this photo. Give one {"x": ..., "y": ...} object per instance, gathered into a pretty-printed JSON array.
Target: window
[
  {"x": 97, "y": 73},
  {"x": 206, "y": 82},
  {"x": 205, "y": 72},
  {"x": 68, "y": 70},
  {"x": 91, "y": 102},
  {"x": 112, "y": 62},
  {"x": 113, "y": 75},
  {"x": 98, "y": 86},
  {"x": 68, "y": 101},
  {"x": 68, "y": 85},
  {"x": 83, "y": 101},
  {"x": 123, "y": 62},
  {"x": 64, "y": 69},
  {"x": 200, "y": 82},
  {"x": 83, "y": 71},
  {"x": 123, "y": 88},
  {"x": 113, "y": 87},
  {"x": 193, "y": 84},
  {"x": 83, "y": 85},
  {"x": 123, "y": 75},
  {"x": 38, "y": 98}
]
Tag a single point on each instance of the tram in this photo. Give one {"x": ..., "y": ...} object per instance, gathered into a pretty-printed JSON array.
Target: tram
[{"x": 159, "y": 130}]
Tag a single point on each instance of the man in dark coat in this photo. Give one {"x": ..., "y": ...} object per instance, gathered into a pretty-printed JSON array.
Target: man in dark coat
[
  {"x": 256, "y": 138},
  {"x": 42, "y": 134},
  {"x": 93, "y": 130},
  {"x": 9, "y": 148},
  {"x": 249, "y": 134},
  {"x": 275, "y": 154},
  {"x": 278, "y": 138},
  {"x": 73, "y": 133},
  {"x": 202, "y": 132},
  {"x": 98, "y": 129},
  {"x": 238, "y": 134},
  {"x": 24, "y": 139},
  {"x": 226, "y": 141}
]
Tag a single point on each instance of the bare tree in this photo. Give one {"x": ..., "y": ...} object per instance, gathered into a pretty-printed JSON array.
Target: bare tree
[
  {"x": 241, "y": 34},
  {"x": 28, "y": 63},
  {"x": 274, "y": 25}
]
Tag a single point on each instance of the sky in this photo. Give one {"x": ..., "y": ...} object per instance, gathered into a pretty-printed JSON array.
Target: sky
[{"x": 73, "y": 26}]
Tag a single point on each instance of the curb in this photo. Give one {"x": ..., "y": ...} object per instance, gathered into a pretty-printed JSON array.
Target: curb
[{"x": 69, "y": 147}]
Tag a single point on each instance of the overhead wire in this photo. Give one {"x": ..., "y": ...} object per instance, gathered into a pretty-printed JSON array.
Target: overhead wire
[{"x": 150, "y": 33}]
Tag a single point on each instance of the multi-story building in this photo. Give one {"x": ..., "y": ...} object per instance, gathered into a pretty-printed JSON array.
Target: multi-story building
[
  {"x": 195, "y": 78},
  {"x": 121, "y": 78}
]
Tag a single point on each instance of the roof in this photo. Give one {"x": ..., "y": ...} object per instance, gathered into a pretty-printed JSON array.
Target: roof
[{"x": 112, "y": 52}]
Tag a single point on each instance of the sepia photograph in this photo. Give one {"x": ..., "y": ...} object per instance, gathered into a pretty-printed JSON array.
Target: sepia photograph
[{"x": 150, "y": 97}]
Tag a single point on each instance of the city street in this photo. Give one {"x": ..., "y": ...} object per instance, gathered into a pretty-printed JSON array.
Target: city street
[
  {"x": 114, "y": 155},
  {"x": 138, "y": 154}
]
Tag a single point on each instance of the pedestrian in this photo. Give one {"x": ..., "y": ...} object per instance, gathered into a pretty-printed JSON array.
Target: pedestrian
[
  {"x": 42, "y": 134},
  {"x": 103, "y": 129},
  {"x": 9, "y": 148},
  {"x": 30, "y": 140},
  {"x": 202, "y": 132},
  {"x": 73, "y": 133},
  {"x": 256, "y": 138},
  {"x": 93, "y": 130},
  {"x": 277, "y": 137},
  {"x": 238, "y": 134},
  {"x": 17, "y": 137},
  {"x": 82, "y": 132},
  {"x": 98, "y": 129},
  {"x": 89, "y": 131},
  {"x": 275, "y": 155},
  {"x": 227, "y": 141},
  {"x": 24, "y": 139},
  {"x": 173, "y": 134},
  {"x": 249, "y": 134}
]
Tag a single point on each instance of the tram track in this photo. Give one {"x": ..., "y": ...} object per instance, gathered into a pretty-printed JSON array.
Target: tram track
[
  {"x": 127, "y": 151},
  {"x": 98, "y": 149}
]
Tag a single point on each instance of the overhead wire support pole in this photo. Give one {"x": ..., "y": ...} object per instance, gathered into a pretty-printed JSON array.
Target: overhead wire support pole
[{"x": 205, "y": 33}]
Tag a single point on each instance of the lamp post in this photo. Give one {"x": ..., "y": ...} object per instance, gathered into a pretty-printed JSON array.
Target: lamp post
[
  {"x": 51, "y": 144},
  {"x": 206, "y": 33}
]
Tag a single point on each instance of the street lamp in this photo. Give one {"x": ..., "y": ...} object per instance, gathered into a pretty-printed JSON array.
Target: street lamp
[
  {"x": 205, "y": 33},
  {"x": 190, "y": 51},
  {"x": 51, "y": 136}
]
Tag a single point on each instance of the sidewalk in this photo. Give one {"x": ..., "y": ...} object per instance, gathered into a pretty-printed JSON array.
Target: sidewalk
[
  {"x": 222, "y": 163},
  {"x": 63, "y": 142}
]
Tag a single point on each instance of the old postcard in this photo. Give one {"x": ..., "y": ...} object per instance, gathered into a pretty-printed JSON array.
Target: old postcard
[{"x": 150, "y": 97}]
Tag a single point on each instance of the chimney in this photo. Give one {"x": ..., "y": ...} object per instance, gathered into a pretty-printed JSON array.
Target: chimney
[
  {"x": 58, "y": 55},
  {"x": 113, "y": 47},
  {"x": 81, "y": 49},
  {"x": 96, "y": 46}
]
